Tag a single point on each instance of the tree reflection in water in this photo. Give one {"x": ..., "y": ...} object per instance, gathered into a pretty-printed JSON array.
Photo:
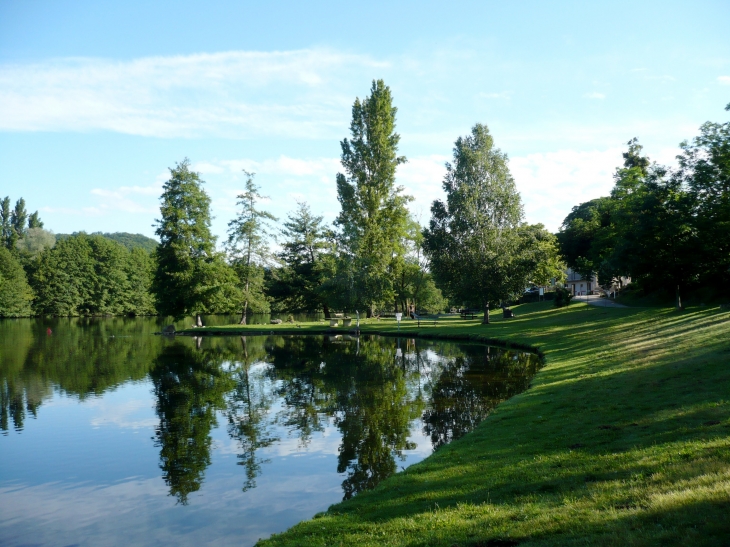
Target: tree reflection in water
[
  {"x": 248, "y": 409},
  {"x": 190, "y": 387},
  {"x": 470, "y": 385},
  {"x": 373, "y": 390}
]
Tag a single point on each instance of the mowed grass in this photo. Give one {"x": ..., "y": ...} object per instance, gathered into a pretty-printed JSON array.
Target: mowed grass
[{"x": 623, "y": 439}]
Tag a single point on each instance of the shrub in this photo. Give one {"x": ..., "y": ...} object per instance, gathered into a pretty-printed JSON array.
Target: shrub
[{"x": 562, "y": 297}]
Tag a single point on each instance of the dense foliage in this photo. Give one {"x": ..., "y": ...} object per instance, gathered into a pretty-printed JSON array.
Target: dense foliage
[
  {"x": 191, "y": 277},
  {"x": 15, "y": 293},
  {"x": 91, "y": 275},
  {"x": 373, "y": 216},
  {"x": 130, "y": 241},
  {"x": 666, "y": 229},
  {"x": 480, "y": 252}
]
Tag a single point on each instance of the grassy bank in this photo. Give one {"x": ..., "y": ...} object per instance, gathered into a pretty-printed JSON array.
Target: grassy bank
[{"x": 623, "y": 439}]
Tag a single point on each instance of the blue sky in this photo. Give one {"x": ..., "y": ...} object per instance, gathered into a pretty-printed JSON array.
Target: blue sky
[{"x": 98, "y": 99}]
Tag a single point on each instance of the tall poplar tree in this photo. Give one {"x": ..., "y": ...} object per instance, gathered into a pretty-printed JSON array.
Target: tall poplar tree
[
  {"x": 373, "y": 218},
  {"x": 248, "y": 245},
  {"x": 18, "y": 218},
  {"x": 191, "y": 278},
  {"x": 6, "y": 228}
]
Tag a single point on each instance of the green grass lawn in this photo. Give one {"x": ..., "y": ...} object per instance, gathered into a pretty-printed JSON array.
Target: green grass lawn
[{"x": 623, "y": 439}]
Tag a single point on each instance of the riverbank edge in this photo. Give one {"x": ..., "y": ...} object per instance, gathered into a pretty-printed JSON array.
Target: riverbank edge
[
  {"x": 626, "y": 449},
  {"x": 406, "y": 332}
]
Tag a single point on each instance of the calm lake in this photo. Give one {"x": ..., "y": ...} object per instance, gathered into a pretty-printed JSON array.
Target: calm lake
[{"x": 113, "y": 436}]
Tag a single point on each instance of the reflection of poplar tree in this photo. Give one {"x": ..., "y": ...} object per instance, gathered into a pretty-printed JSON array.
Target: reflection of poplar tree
[
  {"x": 470, "y": 386},
  {"x": 189, "y": 386},
  {"x": 248, "y": 409},
  {"x": 373, "y": 414}
]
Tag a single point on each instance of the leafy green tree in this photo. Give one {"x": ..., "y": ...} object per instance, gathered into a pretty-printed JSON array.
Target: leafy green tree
[
  {"x": 15, "y": 293},
  {"x": 35, "y": 241},
  {"x": 414, "y": 285},
  {"x": 655, "y": 236},
  {"x": 298, "y": 285},
  {"x": 63, "y": 278},
  {"x": 705, "y": 173},
  {"x": 373, "y": 215},
  {"x": 140, "y": 268},
  {"x": 191, "y": 278},
  {"x": 248, "y": 246},
  {"x": 587, "y": 236},
  {"x": 91, "y": 275},
  {"x": 478, "y": 250}
]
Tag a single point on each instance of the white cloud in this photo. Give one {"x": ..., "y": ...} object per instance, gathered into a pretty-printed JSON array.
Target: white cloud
[
  {"x": 119, "y": 199},
  {"x": 595, "y": 95},
  {"x": 724, "y": 80},
  {"x": 552, "y": 183},
  {"x": 305, "y": 94},
  {"x": 422, "y": 177}
]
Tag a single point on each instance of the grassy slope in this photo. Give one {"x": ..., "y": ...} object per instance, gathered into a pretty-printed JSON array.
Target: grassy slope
[{"x": 623, "y": 439}]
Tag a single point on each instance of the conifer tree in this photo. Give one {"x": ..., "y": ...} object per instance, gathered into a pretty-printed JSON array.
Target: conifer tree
[
  {"x": 191, "y": 277},
  {"x": 249, "y": 247}
]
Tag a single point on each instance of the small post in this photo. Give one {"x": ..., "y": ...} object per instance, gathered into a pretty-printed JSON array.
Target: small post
[{"x": 398, "y": 316}]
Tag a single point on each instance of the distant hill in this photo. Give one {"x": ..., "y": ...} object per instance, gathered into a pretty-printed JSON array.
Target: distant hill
[{"x": 130, "y": 241}]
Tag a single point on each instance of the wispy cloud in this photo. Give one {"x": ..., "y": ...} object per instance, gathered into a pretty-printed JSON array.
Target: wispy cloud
[
  {"x": 724, "y": 80},
  {"x": 216, "y": 94},
  {"x": 502, "y": 95},
  {"x": 595, "y": 95}
]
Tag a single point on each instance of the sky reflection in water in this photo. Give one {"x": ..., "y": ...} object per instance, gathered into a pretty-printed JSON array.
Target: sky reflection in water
[{"x": 113, "y": 436}]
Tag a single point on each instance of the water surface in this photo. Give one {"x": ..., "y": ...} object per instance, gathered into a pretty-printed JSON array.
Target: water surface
[{"x": 114, "y": 436}]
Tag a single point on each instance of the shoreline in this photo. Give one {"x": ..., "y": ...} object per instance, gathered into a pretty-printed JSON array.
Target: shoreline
[{"x": 623, "y": 439}]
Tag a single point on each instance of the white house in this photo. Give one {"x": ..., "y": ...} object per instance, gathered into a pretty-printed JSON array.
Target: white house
[{"x": 580, "y": 286}]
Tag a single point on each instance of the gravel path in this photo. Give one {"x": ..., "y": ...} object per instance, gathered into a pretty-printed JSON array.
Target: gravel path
[{"x": 595, "y": 300}]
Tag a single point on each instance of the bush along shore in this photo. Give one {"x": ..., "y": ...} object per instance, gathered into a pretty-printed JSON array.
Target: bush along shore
[{"x": 623, "y": 439}]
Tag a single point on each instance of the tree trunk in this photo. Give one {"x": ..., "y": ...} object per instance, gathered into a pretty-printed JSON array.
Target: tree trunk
[
  {"x": 369, "y": 312},
  {"x": 198, "y": 320},
  {"x": 486, "y": 314},
  {"x": 245, "y": 347},
  {"x": 243, "y": 313},
  {"x": 326, "y": 309},
  {"x": 679, "y": 300}
]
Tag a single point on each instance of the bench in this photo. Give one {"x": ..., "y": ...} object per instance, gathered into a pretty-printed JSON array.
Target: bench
[
  {"x": 420, "y": 318},
  {"x": 470, "y": 313}
]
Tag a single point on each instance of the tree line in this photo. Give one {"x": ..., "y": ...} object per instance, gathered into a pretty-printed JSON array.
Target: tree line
[
  {"x": 666, "y": 228},
  {"x": 477, "y": 250}
]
